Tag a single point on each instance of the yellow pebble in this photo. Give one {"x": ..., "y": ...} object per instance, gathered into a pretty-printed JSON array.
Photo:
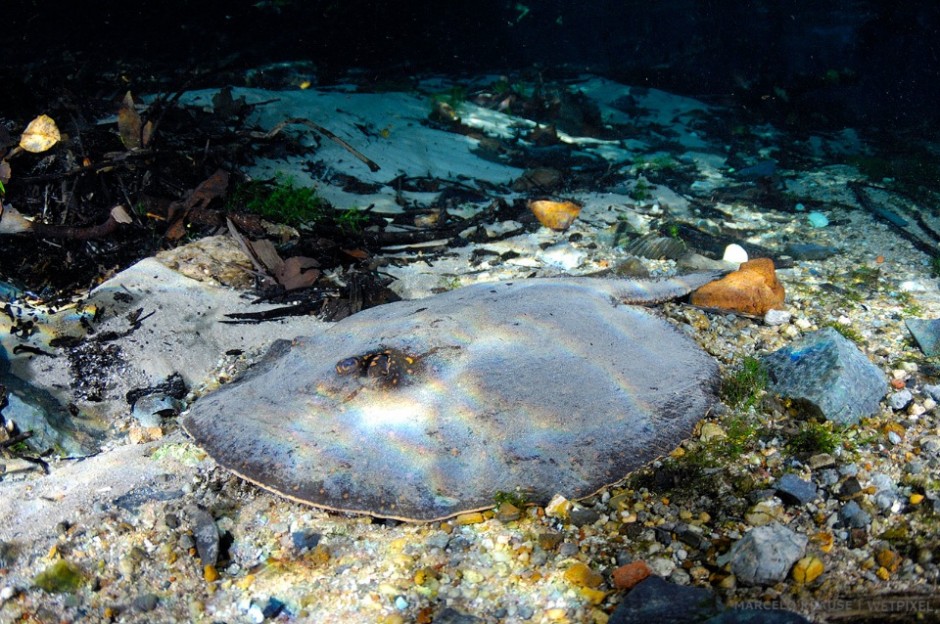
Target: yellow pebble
[
  {"x": 474, "y": 517},
  {"x": 593, "y": 596},
  {"x": 917, "y": 499},
  {"x": 883, "y": 574},
  {"x": 581, "y": 575},
  {"x": 210, "y": 573},
  {"x": 808, "y": 569},
  {"x": 556, "y": 615}
]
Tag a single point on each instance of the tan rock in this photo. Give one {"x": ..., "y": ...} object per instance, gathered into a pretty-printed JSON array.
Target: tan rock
[
  {"x": 752, "y": 289},
  {"x": 555, "y": 215}
]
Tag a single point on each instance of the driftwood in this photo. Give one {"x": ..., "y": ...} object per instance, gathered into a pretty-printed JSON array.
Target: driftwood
[{"x": 12, "y": 222}]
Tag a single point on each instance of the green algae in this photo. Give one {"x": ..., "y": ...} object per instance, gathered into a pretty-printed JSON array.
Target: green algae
[{"x": 62, "y": 577}]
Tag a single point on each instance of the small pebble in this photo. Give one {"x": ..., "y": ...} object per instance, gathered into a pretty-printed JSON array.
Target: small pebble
[{"x": 145, "y": 603}]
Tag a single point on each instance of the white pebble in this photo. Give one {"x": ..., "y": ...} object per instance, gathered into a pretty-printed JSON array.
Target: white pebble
[
  {"x": 735, "y": 253},
  {"x": 6, "y": 593},
  {"x": 929, "y": 404},
  {"x": 777, "y": 317}
]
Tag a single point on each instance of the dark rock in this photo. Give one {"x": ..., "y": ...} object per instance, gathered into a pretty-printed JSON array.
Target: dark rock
[
  {"x": 656, "y": 600},
  {"x": 765, "y": 555},
  {"x": 829, "y": 375},
  {"x": 145, "y": 602},
  {"x": 583, "y": 516},
  {"x": 690, "y": 537},
  {"x": 858, "y": 538},
  {"x": 795, "y": 491},
  {"x": 850, "y": 488},
  {"x": 810, "y": 251},
  {"x": 172, "y": 520},
  {"x": 453, "y": 616},
  {"x": 663, "y": 535},
  {"x": 926, "y": 333},
  {"x": 305, "y": 539},
  {"x": 150, "y": 410},
  {"x": 206, "y": 534},
  {"x": 757, "y": 616},
  {"x": 853, "y": 516},
  {"x": 8, "y": 554},
  {"x": 272, "y": 608}
]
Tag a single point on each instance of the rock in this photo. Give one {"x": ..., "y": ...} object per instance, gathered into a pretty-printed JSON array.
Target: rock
[
  {"x": 927, "y": 335},
  {"x": 827, "y": 372},
  {"x": 627, "y": 576},
  {"x": 853, "y": 516},
  {"x": 810, "y": 251},
  {"x": 735, "y": 253},
  {"x": 656, "y": 600},
  {"x": 795, "y": 491},
  {"x": 305, "y": 539},
  {"x": 581, "y": 575},
  {"x": 555, "y": 215},
  {"x": 582, "y": 516},
  {"x": 145, "y": 602},
  {"x": 817, "y": 219},
  {"x": 752, "y": 289},
  {"x": 9, "y": 552},
  {"x": 507, "y": 512},
  {"x": 933, "y": 390},
  {"x": 765, "y": 554},
  {"x": 453, "y": 616},
  {"x": 777, "y": 317},
  {"x": 206, "y": 534},
  {"x": 150, "y": 410},
  {"x": 901, "y": 399},
  {"x": 808, "y": 569}
]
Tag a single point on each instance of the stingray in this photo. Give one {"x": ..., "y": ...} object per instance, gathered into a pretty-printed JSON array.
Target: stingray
[{"x": 421, "y": 410}]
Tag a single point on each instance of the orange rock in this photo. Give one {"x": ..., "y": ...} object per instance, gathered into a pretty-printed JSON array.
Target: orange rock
[
  {"x": 625, "y": 577},
  {"x": 752, "y": 289},
  {"x": 555, "y": 215}
]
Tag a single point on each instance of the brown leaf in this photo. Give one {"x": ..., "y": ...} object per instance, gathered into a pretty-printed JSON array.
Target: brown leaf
[
  {"x": 213, "y": 187},
  {"x": 298, "y": 272},
  {"x": 40, "y": 135},
  {"x": 5, "y": 172},
  {"x": 129, "y": 124}
]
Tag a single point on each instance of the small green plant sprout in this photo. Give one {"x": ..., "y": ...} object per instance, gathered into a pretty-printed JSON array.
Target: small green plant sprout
[
  {"x": 743, "y": 388},
  {"x": 847, "y": 331},
  {"x": 814, "y": 437},
  {"x": 351, "y": 219},
  {"x": 282, "y": 202},
  {"x": 641, "y": 191},
  {"x": 516, "y": 499}
]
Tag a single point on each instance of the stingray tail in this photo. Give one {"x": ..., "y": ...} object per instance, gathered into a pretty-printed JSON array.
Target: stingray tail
[{"x": 647, "y": 292}]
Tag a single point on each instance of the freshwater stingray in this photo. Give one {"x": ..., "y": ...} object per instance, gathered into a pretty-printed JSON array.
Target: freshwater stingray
[{"x": 421, "y": 410}]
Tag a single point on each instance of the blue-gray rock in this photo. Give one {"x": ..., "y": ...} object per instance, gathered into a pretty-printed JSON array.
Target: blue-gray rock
[
  {"x": 900, "y": 399},
  {"x": 272, "y": 608},
  {"x": 206, "y": 534},
  {"x": 453, "y": 616},
  {"x": 829, "y": 375},
  {"x": 795, "y": 491},
  {"x": 765, "y": 555},
  {"x": 810, "y": 251},
  {"x": 150, "y": 410},
  {"x": 145, "y": 602},
  {"x": 853, "y": 516},
  {"x": 757, "y": 616},
  {"x": 933, "y": 391},
  {"x": 34, "y": 409},
  {"x": 305, "y": 539},
  {"x": 656, "y": 600},
  {"x": 926, "y": 333},
  {"x": 886, "y": 491}
]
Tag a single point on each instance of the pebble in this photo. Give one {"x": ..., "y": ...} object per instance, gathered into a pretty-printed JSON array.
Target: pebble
[
  {"x": 453, "y": 616},
  {"x": 205, "y": 533},
  {"x": 582, "y": 516},
  {"x": 581, "y": 575},
  {"x": 305, "y": 539},
  {"x": 795, "y": 491},
  {"x": 656, "y": 600},
  {"x": 735, "y": 253},
  {"x": 145, "y": 602},
  {"x": 777, "y": 317},
  {"x": 765, "y": 554},
  {"x": 853, "y": 516},
  {"x": 901, "y": 399},
  {"x": 808, "y": 569},
  {"x": 817, "y": 219},
  {"x": 626, "y": 576}
]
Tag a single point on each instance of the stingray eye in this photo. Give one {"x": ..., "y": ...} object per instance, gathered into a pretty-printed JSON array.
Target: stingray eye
[{"x": 347, "y": 366}]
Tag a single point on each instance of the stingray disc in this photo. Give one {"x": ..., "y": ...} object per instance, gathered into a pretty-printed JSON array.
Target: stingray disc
[{"x": 421, "y": 410}]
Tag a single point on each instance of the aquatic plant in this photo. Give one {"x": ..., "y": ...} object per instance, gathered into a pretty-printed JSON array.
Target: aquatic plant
[
  {"x": 282, "y": 202},
  {"x": 641, "y": 191},
  {"x": 814, "y": 437},
  {"x": 847, "y": 331},
  {"x": 743, "y": 388}
]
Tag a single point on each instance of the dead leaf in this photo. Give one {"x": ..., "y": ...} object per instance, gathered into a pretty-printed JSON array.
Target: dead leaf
[
  {"x": 215, "y": 186},
  {"x": 40, "y": 135},
  {"x": 119, "y": 214},
  {"x": 129, "y": 124},
  {"x": 298, "y": 272},
  {"x": 5, "y": 172}
]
